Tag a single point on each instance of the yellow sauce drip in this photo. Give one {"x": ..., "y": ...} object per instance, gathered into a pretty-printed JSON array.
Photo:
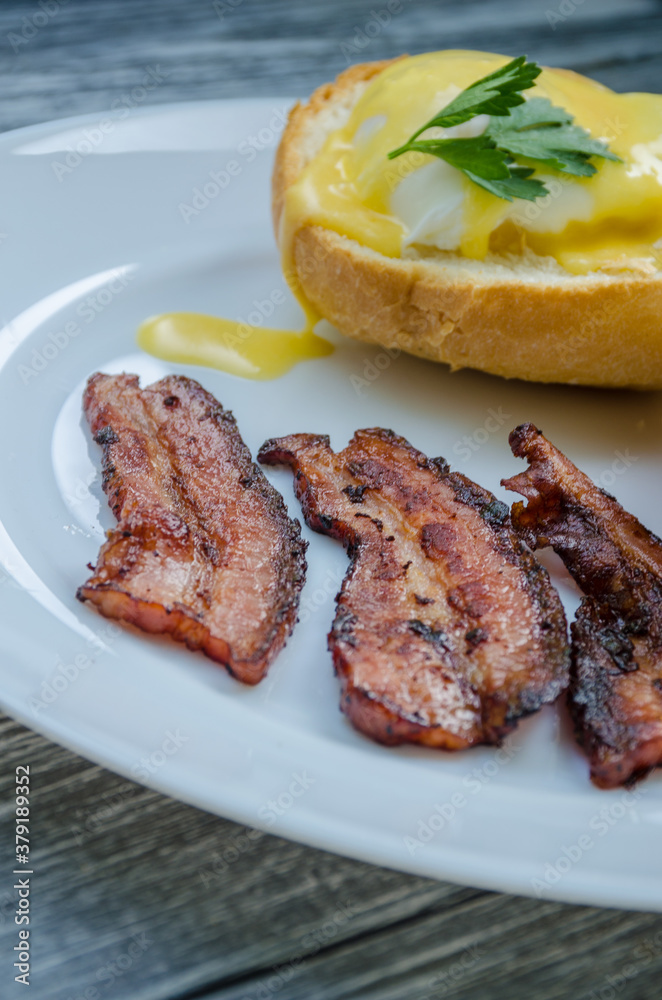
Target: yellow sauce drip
[
  {"x": 236, "y": 348},
  {"x": 347, "y": 186}
]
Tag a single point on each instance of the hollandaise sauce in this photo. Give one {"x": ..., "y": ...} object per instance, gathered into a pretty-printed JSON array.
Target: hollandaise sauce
[
  {"x": 418, "y": 205},
  {"x": 607, "y": 222},
  {"x": 234, "y": 347}
]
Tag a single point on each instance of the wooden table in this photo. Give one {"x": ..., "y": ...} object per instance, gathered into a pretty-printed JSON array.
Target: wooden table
[{"x": 142, "y": 897}]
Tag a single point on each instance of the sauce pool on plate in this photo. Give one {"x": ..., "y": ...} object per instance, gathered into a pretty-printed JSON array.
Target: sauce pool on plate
[{"x": 234, "y": 347}]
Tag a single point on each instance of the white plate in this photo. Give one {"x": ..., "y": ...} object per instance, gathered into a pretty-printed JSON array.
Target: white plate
[{"x": 95, "y": 240}]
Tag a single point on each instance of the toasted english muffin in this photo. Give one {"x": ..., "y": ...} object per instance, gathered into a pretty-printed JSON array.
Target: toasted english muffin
[{"x": 518, "y": 315}]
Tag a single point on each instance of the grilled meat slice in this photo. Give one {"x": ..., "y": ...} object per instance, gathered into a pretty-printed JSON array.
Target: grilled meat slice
[
  {"x": 447, "y": 630},
  {"x": 615, "y": 694},
  {"x": 204, "y": 548}
]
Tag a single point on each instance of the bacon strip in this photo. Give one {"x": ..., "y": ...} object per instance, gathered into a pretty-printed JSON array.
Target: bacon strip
[
  {"x": 204, "y": 549},
  {"x": 615, "y": 692},
  {"x": 447, "y": 630}
]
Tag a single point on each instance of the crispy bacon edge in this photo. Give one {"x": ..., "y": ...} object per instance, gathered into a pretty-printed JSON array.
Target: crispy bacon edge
[
  {"x": 155, "y": 618},
  {"x": 615, "y": 701},
  {"x": 374, "y": 718}
]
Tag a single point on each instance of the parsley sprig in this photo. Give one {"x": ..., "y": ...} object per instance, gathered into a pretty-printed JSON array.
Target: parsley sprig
[{"x": 534, "y": 130}]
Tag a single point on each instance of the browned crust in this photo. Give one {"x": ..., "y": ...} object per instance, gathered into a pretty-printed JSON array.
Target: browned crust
[
  {"x": 173, "y": 523},
  {"x": 615, "y": 695},
  {"x": 420, "y": 642},
  {"x": 587, "y": 330}
]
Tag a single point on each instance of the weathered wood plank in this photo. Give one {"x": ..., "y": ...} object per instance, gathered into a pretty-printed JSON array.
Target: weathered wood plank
[
  {"x": 88, "y": 55},
  {"x": 219, "y": 907},
  {"x": 112, "y": 860},
  {"x": 484, "y": 948}
]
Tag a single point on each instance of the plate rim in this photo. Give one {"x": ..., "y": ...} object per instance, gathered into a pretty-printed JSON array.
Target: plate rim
[{"x": 299, "y": 826}]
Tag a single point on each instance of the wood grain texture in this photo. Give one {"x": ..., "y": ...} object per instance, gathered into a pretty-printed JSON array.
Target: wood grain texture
[
  {"x": 228, "y": 914},
  {"x": 228, "y": 917},
  {"x": 89, "y": 54}
]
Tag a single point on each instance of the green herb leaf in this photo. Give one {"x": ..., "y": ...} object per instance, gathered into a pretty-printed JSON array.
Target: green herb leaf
[
  {"x": 539, "y": 131},
  {"x": 534, "y": 113},
  {"x": 495, "y": 94},
  {"x": 478, "y": 153},
  {"x": 516, "y": 185},
  {"x": 483, "y": 163},
  {"x": 532, "y": 129}
]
